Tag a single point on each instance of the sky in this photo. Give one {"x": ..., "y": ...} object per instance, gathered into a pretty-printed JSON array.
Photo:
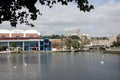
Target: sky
[{"x": 104, "y": 20}]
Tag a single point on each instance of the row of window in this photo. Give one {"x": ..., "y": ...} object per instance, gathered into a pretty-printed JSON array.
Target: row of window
[
  {"x": 28, "y": 45},
  {"x": 18, "y": 37}
]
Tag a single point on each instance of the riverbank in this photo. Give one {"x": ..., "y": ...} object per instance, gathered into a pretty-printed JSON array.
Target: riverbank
[
  {"x": 110, "y": 50},
  {"x": 113, "y": 50}
]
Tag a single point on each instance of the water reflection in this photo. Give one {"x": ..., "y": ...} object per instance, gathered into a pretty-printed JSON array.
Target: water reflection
[{"x": 60, "y": 66}]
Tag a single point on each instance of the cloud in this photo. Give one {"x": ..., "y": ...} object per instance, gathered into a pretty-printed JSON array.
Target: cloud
[{"x": 103, "y": 20}]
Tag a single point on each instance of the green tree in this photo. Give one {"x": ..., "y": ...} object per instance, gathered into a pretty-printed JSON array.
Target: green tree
[
  {"x": 56, "y": 36},
  {"x": 75, "y": 44},
  {"x": 14, "y": 44},
  {"x": 12, "y": 10},
  {"x": 74, "y": 37},
  {"x": 1, "y": 48},
  {"x": 116, "y": 44},
  {"x": 68, "y": 43}
]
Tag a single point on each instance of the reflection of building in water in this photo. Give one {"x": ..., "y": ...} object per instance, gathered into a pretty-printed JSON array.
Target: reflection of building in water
[
  {"x": 23, "y": 40},
  {"x": 45, "y": 58},
  {"x": 20, "y": 66}
]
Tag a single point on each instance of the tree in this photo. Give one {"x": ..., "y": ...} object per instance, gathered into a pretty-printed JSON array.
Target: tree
[
  {"x": 1, "y": 48},
  {"x": 12, "y": 10},
  {"x": 116, "y": 44},
  {"x": 56, "y": 36},
  {"x": 75, "y": 44},
  {"x": 68, "y": 43},
  {"x": 14, "y": 44},
  {"x": 74, "y": 37}
]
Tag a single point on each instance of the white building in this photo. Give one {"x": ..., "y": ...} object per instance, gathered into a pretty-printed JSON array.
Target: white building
[{"x": 19, "y": 33}]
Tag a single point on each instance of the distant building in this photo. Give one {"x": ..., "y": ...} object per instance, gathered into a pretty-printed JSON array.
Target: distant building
[
  {"x": 118, "y": 38},
  {"x": 79, "y": 33},
  {"x": 45, "y": 44},
  {"x": 56, "y": 44},
  {"x": 103, "y": 42}
]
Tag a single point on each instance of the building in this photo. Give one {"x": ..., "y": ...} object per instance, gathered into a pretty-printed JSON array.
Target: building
[
  {"x": 56, "y": 44},
  {"x": 103, "y": 42},
  {"x": 45, "y": 44},
  {"x": 24, "y": 39},
  {"x": 19, "y": 33},
  {"x": 118, "y": 38}
]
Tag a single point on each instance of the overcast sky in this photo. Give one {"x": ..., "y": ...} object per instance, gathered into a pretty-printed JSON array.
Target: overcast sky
[{"x": 104, "y": 20}]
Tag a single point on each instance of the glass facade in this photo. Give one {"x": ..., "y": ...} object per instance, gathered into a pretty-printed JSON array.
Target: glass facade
[
  {"x": 31, "y": 45},
  {"x": 16, "y": 44},
  {"x": 4, "y": 45},
  {"x": 43, "y": 44}
]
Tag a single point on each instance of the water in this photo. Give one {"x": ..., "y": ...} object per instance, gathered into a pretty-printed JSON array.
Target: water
[{"x": 60, "y": 66}]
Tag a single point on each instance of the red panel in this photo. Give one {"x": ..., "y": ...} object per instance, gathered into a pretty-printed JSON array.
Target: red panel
[
  {"x": 5, "y": 35},
  {"x": 19, "y": 35}
]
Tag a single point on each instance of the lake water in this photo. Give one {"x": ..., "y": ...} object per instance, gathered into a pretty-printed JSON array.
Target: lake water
[{"x": 60, "y": 66}]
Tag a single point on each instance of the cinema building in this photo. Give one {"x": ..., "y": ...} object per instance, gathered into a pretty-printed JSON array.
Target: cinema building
[{"x": 25, "y": 39}]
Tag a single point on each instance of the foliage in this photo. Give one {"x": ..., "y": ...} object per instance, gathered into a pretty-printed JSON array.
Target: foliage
[
  {"x": 68, "y": 43},
  {"x": 75, "y": 44},
  {"x": 116, "y": 44},
  {"x": 72, "y": 43},
  {"x": 15, "y": 11},
  {"x": 56, "y": 36},
  {"x": 74, "y": 37},
  {"x": 1, "y": 48},
  {"x": 14, "y": 44}
]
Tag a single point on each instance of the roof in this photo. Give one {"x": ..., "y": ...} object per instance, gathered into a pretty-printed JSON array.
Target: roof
[
  {"x": 32, "y": 31},
  {"x": 19, "y": 31},
  {"x": 56, "y": 40},
  {"x": 4, "y": 31}
]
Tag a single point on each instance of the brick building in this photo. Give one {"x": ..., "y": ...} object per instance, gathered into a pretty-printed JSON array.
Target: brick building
[
  {"x": 57, "y": 44},
  {"x": 118, "y": 38}
]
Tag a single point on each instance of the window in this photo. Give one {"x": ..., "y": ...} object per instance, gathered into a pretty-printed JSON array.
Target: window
[
  {"x": 17, "y": 37},
  {"x": 31, "y": 37},
  {"x": 46, "y": 41},
  {"x": 3, "y": 36}
]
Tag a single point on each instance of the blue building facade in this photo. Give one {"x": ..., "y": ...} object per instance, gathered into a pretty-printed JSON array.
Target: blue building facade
[{"x": 45, "y": 45}]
